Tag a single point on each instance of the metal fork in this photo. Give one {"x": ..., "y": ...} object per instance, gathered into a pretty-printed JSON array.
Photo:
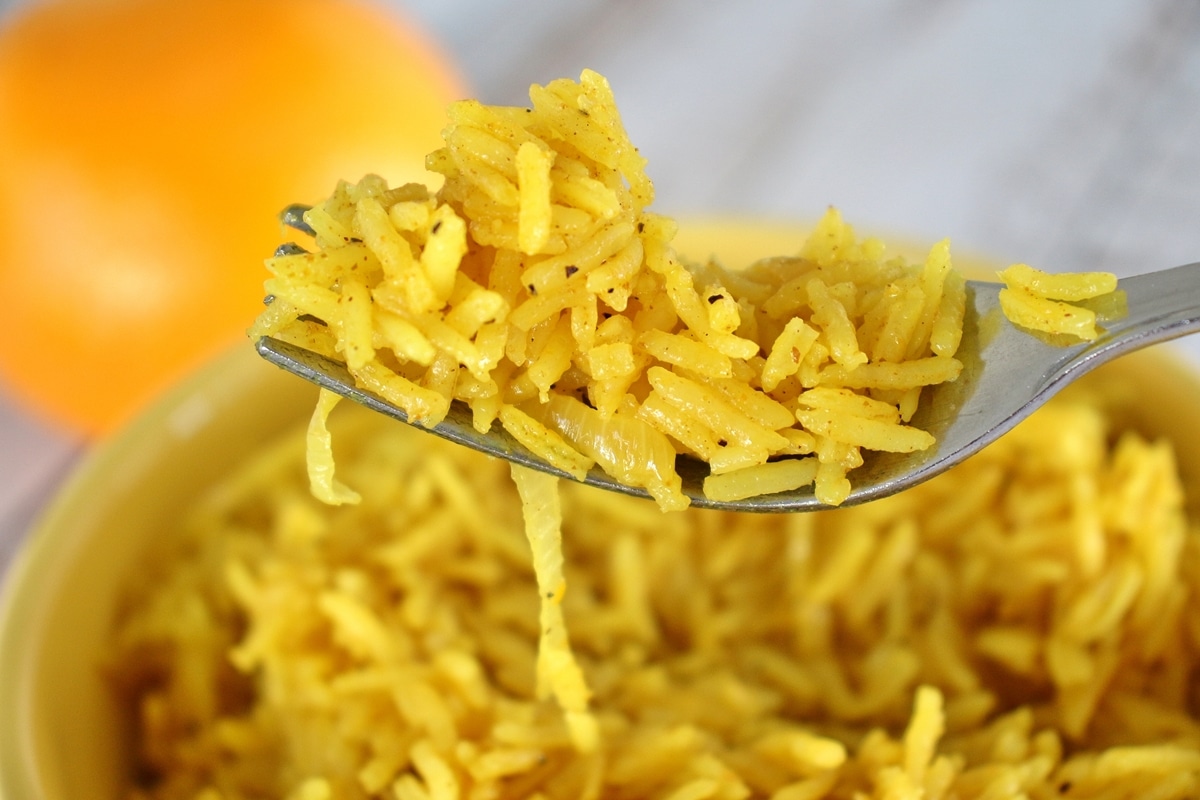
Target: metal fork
[{"x": 1008, "y": 373}]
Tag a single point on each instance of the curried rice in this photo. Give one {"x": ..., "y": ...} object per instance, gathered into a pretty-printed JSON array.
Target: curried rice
[
  {"x": 1023, "y": 626},
  {"x": 536, "y": 288},
  {"x": 1018, "y": 627}
]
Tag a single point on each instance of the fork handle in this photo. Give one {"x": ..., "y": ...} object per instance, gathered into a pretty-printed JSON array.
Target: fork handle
[{"x": 1162, "y": 305}]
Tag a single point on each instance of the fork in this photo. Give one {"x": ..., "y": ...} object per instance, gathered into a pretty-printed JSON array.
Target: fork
[{"x": 1008, "y": 373}]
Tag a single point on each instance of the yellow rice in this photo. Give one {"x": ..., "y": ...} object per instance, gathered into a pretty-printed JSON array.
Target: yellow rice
[
  {"x": 1017, "y": 628},
  {"x": 535, "y": 281},
  {"x": 1023, "y": 626}
]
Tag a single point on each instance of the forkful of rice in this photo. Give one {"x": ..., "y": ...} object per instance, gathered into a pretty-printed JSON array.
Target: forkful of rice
[{"x": 533, "y": 309}]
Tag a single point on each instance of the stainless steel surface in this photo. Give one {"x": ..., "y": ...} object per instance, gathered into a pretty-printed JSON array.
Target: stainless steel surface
[
  {"x": 1008, "y": 373},
  {"x": 1061, "y": 134}
]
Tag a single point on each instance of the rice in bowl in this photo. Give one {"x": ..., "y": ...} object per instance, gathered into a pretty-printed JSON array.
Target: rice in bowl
[{"x": 1019, "y": 626}]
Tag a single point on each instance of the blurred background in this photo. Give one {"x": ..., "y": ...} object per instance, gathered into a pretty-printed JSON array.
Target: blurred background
[{"x": 1065, "y": 135}]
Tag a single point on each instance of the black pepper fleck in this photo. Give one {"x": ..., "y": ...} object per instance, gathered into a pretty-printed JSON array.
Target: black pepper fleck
[
  {"x": 532, "y": 289},
  {"x": 570, "y": 270},
  {"x": 436, "y": 226}
]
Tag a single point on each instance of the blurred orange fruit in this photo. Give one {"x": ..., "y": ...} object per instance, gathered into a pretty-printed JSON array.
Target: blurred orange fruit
[{"x": 146, "y": 148}]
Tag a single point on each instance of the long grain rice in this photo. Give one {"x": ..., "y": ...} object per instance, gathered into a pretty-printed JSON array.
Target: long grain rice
[
  {"x": 537, "y": 271},
  {"x": 1022, "y": 626},
  {"x": 1017, "y": 628}
]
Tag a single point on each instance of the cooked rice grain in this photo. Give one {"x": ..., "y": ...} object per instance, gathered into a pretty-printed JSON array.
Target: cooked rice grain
[{"x": 1049, "y": 303}]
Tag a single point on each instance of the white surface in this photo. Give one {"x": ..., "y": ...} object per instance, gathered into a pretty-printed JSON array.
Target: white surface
[{"x": 1064, "y": 134}]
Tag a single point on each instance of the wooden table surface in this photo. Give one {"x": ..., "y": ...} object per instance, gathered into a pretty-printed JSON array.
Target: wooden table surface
[{"x": 1063, "y": 134}]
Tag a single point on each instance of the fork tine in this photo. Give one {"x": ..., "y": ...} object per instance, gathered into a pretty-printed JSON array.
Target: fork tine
[
  {"x": 293, "y": 217},
  {"x": 289, "y": 249}
]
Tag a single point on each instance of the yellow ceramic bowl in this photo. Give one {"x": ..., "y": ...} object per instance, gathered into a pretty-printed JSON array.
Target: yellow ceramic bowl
[{"x": 61, "y": 735}]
